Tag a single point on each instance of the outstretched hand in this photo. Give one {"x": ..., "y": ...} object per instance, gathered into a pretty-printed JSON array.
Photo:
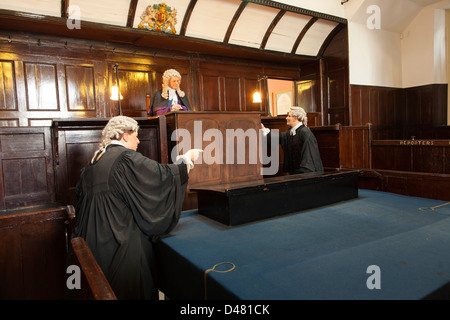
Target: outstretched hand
[{"x": 193, "y": 154}]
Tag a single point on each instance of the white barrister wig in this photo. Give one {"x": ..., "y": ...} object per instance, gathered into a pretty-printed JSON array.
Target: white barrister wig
[{"x": 116, "y": 127}]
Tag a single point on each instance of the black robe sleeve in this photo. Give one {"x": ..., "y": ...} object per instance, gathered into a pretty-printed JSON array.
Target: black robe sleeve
[{"x": 155, "y": 192}]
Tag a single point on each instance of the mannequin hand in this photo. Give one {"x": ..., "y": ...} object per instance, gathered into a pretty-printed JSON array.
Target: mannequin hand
[
  {"x": 175, "y": 107},
  {"x": 193, "y": 154}
]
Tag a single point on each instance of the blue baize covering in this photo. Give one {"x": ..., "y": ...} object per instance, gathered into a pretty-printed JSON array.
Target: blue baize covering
[{"x": 322, "y": 253}]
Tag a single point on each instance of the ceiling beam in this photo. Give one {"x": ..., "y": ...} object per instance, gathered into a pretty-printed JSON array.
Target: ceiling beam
[
  {"x": 236, "y": 16},
  {"x": 302, "y": 34},
  {"x": 187, "y": 17},
  {"x": 271, "y": 27},
  {"x": 64, "y": 7},
  {"x": 307, "y": 12},
  {"x": 330, "y": 37},
  {"x": 131, "y": 13}
]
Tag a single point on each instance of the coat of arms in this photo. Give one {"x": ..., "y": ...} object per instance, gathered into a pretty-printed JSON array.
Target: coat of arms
[{"x": 159, "y": 17}]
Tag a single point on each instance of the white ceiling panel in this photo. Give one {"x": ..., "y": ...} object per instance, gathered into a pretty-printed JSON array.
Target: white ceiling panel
[
  {"x": 211, "y": 18},
  {"x": 286, "y": 32},
  {"x": 179, "y": 6},
  {"x": 44, "y": 7},
  {"x": 113, "y": 12},
  {"x": 315, "y": 36},
  {"x": 252, "y": 25}
]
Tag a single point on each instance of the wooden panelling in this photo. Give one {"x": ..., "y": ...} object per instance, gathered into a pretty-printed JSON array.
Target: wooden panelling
[
  {"x": 232, "y": 93},
  {"x": 306, "y": 95},
  {"x": 33, "y": 251},
  {"x": 134, "y": 85},
  {"x": 41, "y": 86},
  {"x": 210, "y": 93},
  {"x": 80, "y": 87},
  {"x": 26, "y": 173},
  {"x": 7, "y": 86},
  {"x": 229, "y": 87},
  {"x": 337, "y": 96},
  {"x": 395, "y": 113},
  {"x": 426, "y": 185},
  {"x": 328, "y": 139},
  {"x": 355, "y": 148},
  {"x": 412, "y": 155}
]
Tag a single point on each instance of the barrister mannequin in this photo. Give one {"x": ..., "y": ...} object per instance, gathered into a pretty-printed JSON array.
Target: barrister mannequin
[{"x": 301, "y": 152}]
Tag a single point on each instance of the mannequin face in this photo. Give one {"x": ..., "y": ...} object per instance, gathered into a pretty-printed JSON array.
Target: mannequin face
[
  {"x": 174, "y": 82},
  {"x": 291, "y": 121},
  {"x": 131, "y": 140}
]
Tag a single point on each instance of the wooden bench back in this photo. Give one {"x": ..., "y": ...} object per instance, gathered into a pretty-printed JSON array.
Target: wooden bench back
[{"x": 98, "y": 287}]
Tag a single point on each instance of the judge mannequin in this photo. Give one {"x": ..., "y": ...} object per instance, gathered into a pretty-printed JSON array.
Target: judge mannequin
[
  {"x": 170, "y": 97},
  {"x": 301, "y": 152},
  {"x": 125, "y": 202}
]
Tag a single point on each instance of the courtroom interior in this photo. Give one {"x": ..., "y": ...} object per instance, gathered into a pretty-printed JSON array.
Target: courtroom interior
[{"x": 372, "y": 76}]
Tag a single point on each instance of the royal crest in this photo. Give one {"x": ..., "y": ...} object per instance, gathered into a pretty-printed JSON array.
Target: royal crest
[{"x": 159, "y": 17}]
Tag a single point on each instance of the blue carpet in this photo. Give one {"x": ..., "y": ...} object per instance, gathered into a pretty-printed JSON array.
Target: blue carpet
[{"x": 322, "y": 253}]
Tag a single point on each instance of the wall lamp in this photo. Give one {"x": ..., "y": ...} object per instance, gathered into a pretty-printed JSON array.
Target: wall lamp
[
  {"x": 115, "y": 90},
  {"x": 257, "y": 94}
]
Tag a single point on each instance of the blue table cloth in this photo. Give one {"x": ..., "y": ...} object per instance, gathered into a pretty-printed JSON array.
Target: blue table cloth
[{"x": 322, "y": 253}]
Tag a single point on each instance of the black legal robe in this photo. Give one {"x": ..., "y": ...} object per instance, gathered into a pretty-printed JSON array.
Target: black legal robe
[
  {"x": 126, "y": 201},
  {"x": 301, "y": 151}
]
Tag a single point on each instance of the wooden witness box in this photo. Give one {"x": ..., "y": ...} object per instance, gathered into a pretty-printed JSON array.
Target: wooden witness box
[{"x": 228, "y": 184}]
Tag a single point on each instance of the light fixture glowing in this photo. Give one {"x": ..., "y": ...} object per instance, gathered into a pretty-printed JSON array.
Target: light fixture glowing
[
  {"x": 257, "y": 97},
  {"x": 115, "y": 93}
]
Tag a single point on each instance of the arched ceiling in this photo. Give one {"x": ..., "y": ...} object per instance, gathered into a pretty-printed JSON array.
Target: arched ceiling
[{"x": 204, "y": 26}]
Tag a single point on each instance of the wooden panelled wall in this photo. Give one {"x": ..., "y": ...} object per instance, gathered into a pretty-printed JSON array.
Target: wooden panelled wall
[
  {"x": 43, "y": 78},
  {"x": 46, "y": 78}
]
